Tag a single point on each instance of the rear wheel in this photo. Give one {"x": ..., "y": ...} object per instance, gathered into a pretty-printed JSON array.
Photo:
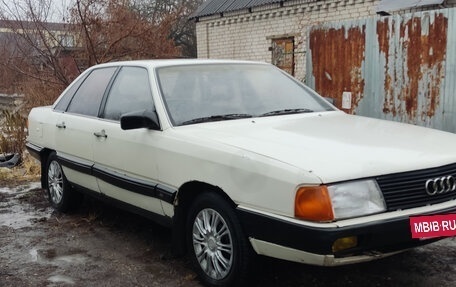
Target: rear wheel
[
  {"x": 61, "y": 196},
  {"x": 218, "y": 248}
]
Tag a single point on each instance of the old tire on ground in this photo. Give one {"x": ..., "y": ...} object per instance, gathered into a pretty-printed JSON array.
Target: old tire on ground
[
  {"x": 61, "y": 196},
  {"x": 219, "y": 251}
]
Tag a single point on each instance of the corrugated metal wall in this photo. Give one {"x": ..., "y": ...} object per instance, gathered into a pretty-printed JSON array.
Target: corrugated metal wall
[{"x": 400, "y": 68}]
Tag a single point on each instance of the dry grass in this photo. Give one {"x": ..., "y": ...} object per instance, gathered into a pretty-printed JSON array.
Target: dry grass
[
  {"x": 12, "y": 132},
  {"x": 28, "y": 170},
  {"x": 31, "y": 167}
]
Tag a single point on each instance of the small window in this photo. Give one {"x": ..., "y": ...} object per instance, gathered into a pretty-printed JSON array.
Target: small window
[
  {"x": 283, "y": 54},
  {"x": 130, "y": 92},
  {"x": 88, "y": 98},
  {"x": 66, "y": 41},
  {"x": 62, "y": 105}
]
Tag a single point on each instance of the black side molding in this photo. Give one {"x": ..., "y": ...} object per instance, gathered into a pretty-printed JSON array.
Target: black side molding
[
  {"x": 135, "y": 185},
  {"x": 143, "y": 187},
  {"x": 160, "y": 219}
]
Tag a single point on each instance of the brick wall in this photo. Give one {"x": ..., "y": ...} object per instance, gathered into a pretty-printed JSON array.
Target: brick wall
[{"x": 248, "y": 35}]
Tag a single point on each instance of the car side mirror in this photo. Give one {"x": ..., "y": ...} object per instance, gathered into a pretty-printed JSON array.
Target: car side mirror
[{"x": 139, "y": 119}]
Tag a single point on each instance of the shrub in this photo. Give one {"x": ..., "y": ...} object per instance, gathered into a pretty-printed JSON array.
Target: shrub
[{"x": 13, "y": 133}]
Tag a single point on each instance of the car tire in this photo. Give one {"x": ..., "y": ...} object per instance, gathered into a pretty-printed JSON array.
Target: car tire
[
  {"x": 60, "y": 194},
  {"x": 219, "y": 251}
]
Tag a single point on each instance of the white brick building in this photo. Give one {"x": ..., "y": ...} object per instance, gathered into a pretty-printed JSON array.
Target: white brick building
[{"x": 275, "y": 31}]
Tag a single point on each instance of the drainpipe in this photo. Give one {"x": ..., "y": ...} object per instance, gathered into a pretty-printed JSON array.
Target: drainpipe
[{"x": 207, "y": 41}]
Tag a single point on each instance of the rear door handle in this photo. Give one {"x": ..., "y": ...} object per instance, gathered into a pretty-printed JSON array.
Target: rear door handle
[
  {"x": 61, "y": 125},
  {"x": 101, "y": 134}
]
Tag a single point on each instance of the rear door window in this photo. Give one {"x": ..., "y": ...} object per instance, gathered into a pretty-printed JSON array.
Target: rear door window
[{"x": 88, "y": 97}]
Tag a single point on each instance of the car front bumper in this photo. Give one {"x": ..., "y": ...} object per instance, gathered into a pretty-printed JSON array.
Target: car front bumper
[{"x": 312, "y": 244}]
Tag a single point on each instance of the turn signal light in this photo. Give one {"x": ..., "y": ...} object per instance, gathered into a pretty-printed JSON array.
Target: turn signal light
[{"x": 313, "y": 203}]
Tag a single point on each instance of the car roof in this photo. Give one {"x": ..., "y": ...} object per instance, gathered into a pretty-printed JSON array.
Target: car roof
[{"x": 174, "y": 62}]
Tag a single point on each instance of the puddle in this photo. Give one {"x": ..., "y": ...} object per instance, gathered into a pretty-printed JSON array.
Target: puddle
[
  {"x": 72, "y": 259},
  {"x": 34, "y": 254},
  {"x": 18, "y": 217},
  {"x": 50, "y": 256},
  {"x": 20, "y": 189},
  {"x": 61, "y": 279},
  {"x": 17, "y": 214}
]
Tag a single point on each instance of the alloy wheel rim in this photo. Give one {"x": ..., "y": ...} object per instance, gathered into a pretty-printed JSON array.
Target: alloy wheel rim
[
  {"x": 55, "y": 182},
  {"x": 213, "y": 244}
]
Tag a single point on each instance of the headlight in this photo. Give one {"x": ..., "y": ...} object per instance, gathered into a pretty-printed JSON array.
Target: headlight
[
  {"x": 331, "y": 202},
  {"x": 356, "y": 198}
]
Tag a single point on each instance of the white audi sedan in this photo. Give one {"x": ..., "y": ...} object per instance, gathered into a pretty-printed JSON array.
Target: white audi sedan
[{"x": 239, "y": 159}]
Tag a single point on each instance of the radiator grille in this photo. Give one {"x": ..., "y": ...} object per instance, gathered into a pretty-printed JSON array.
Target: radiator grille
[{"x": 407, "y": 189}]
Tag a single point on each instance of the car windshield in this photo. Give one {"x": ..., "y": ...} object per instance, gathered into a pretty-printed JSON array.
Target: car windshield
[{"x": 213, "y": 92}]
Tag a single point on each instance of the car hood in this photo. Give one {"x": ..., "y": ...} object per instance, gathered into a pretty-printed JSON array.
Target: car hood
[{"x": 335, "y": 146}]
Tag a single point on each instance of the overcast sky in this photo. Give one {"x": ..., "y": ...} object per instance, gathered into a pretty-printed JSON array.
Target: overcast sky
[{"x": 58, "y": 8}]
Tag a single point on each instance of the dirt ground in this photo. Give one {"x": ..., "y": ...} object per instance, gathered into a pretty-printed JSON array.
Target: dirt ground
[{"x": 102, "y": 246}]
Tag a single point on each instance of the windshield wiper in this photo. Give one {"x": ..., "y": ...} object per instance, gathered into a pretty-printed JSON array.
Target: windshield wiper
[
  {"x": 286, "y": 112},
  {"x": 217, "y": 118}
]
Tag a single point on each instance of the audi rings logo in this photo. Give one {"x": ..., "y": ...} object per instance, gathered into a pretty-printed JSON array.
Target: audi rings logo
[{"x": 440, "y": 185}]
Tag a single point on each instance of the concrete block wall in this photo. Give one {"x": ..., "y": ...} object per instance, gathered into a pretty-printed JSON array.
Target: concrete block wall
[{"x": 247, "y": 35}]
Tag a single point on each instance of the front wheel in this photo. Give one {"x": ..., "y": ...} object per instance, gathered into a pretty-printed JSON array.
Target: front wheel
[
  {"x": 218, "y": 248},
  {"x": 61, "y": 196}
]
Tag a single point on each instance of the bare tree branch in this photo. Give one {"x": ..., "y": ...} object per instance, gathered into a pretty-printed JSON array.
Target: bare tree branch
[{"x": 35, "y": 57}]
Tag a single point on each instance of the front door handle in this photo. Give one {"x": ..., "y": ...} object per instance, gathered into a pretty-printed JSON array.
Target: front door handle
[
  {"x": 61, "y": 125},
  {"x": 101, "y": 134}
]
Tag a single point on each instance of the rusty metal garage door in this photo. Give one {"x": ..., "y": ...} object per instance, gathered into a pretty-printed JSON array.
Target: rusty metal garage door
[{"x": 400, "y": 68}]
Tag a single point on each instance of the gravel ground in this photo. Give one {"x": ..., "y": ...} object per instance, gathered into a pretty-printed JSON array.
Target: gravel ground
[{"x": 102, "y": 246}]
